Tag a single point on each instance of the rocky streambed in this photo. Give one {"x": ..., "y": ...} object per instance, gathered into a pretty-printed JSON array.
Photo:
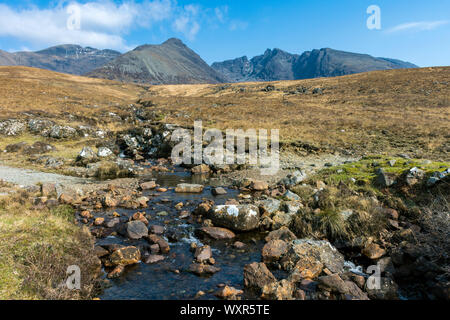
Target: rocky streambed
[{"x": 184, "y": 237}]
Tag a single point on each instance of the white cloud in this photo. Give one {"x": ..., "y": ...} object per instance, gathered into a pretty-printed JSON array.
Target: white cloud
[
  {"x": 103, "y": 23},
  {"x": 187, "y": 21},
  {"x": 418, "y": 26},
  {"x": 221, "y": 13},
  {"x": 236, "y": 25}
]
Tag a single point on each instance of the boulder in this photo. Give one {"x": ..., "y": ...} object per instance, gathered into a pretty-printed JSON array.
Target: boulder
[
  {"x": 163, "y": 244},
  {"x": 11, "y": 127},
  {"x": 235, "y": 217},
  {"x": 320, "y": 250},
  {"x": 281, "y": 290},
  {"x": 289, "y": 195},
  {"x": 274, "y": 250},
  {"x": 414, "y": 176},
  {"x": 86, "y": 155},
  {"x": 256, "y": 276},
  {"x": 125, "y": 256},
  {"x": 203, "y": 253},
  {"x": 269, "y": 205},
  {"x": 104, "y": 152},
  {"x": 135, "y": 230},
  {"x": 259, "y": 185},
  {"x": 334, "y": 284},
  {"x": 384, "y": 179}
]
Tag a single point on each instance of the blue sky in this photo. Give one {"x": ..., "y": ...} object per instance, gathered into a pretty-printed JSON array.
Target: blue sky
[{"x": 411, "y": 30}]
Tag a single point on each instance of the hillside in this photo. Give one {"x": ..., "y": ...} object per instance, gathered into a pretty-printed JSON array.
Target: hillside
[
  {"x": 169, "y": 63},
  {"x": 394, "y": 111},
  {"x": 48, "y": 93},
  {"x": 71, "y": 59},
  {"x": 277, "y": 64}
]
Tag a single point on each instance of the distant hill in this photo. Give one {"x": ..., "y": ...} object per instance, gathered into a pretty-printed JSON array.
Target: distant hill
[
  {"x": 277, "y": 64},
  {"x": 72, "y": 59},
  {"x": 171, "y": 62}
]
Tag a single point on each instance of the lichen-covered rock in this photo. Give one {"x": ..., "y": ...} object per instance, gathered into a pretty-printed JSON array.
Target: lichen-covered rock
[
  {"x": 235, "y": 217},
  {"x": 319, "y": 250},
  {"x": 11, "y": 127},
  {"x": 256, "y": 276},
  {"x": 125, "y": 256}
]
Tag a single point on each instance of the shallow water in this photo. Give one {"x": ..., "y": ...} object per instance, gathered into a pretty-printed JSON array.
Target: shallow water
[{"x": 159, "y": 281}]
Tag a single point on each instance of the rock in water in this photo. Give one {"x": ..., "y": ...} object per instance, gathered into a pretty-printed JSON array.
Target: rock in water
[
  {"x": 217, "y": 233},
  {"x": 136, "y": 230},
  {"x": 125, "y": 256},
  {"x": 235, "y": 217},
  {"x": 189, "y": 188}
]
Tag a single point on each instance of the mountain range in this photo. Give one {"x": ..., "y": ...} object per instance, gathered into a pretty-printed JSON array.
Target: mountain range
[
  {"x": 172, "y": 62},
  {"x": 277, "y": 64},
  {"x": 72, "y": 59}
]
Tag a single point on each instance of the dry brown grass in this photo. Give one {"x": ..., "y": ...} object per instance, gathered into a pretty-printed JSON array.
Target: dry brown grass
[
  {"x": 37, "y": 247},
  {"x": 375, "y": 112},
  {"x": 24, "y": 89}
]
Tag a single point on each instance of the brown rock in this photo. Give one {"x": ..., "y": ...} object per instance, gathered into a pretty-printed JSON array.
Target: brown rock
[
  {"x": 203, "y": 269},
  {"x": 259, "y": 185},
  {"x": 373, "y": 251},
  {"x": 163, "y": 244},
  {"x": 157, "y": 229},
  {"x": 228, "y": 293},
  {"x": 201, "y": 169},
  {"x": 148, "y": 185},
  {"x": 217, "y": 233},
  {"x": 203, "y": 254},
  {"x": 86, "y": 214},
  {"x": 282, "y": 290},
  {"x": 281, "y": 234},
  {"x": 273, "y": 250},
  {"x": 154, "y": 258},
  {"x": 125, "y": 256},
  {"x": 116, "y": 272},
  {"x": 48, "y": 189},
  {"x": 99, "y": 221},
  {"x": 189, "y": 188},
  {"x": 256, "y": 276},
  {"x": 239, "y": 245}
]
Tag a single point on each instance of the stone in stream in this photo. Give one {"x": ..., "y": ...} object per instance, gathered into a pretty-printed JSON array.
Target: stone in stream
[
  {"x": 228, "y": 293},
  {"x": 116, "y": 272},
  {"x": 216, "y": 233},
  {"x": 189, "y": 188},
  {"x": 112, "y": 223},
  {"x": 235, "y": 217},
  {"x": 135, "y": 230},
  {"x": 157, "y": 229},
  {"x": 163, "y": 244},
  {"x": 203, "y": 253},
  {"x": 218, "y": 191},
  {"x": 148, "y": 185},
  {"x": 125, "y": 256},
  {"x": 154, "y": 258},
  {"x": 256, "y": 276}
]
